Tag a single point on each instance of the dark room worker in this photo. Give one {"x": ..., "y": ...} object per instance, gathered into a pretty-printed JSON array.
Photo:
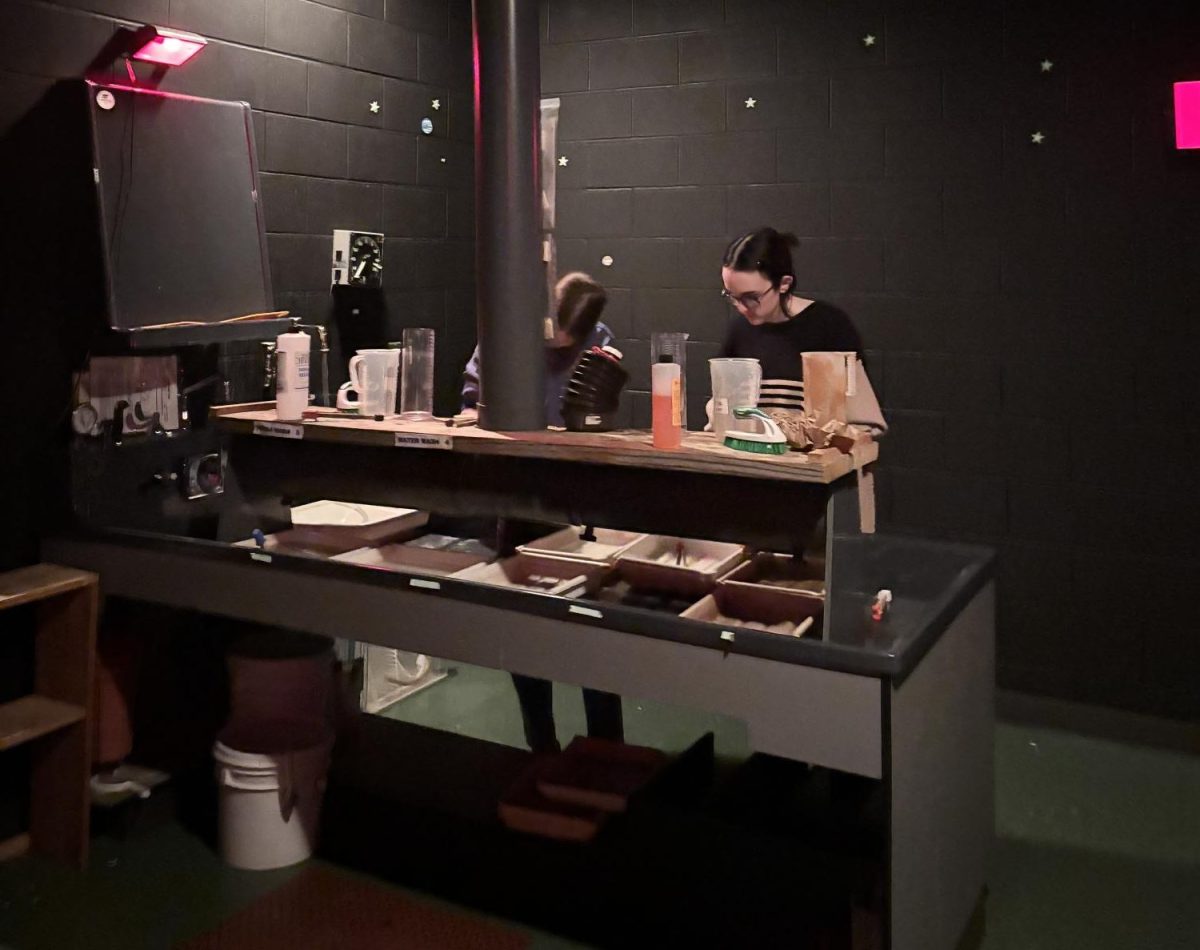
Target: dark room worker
[
  {"x": 579, "y": 301},
  {"x": 775, "y": 325}
]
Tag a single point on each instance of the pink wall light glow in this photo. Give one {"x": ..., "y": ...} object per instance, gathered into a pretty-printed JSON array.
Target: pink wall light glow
[
  {"x": 1187, "y": 115},
  {"x": 155, "y": 44}
]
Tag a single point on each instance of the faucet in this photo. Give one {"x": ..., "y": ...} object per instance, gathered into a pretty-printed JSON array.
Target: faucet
[
  {"x": 196, "y": 411},
  {"x": 215, "y": 381}
]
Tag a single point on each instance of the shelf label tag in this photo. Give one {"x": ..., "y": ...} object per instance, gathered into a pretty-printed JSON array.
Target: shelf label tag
[
  {"x": 256, "y": 556},
  {"x": 428, "y": 585},
  {"x": 420, "y": 440},
  {"x": 280, "y": 430},
  {"x": 585, "y": 611}
]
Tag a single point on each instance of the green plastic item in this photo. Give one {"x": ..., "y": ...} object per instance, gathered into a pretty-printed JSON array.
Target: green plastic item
[{"x": 771, "y": 441}]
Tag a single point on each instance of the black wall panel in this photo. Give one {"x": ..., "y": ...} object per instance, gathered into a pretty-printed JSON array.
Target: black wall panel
[
  {"x": 338, "y": 91},
  {"x": 1029, "y": 309}
]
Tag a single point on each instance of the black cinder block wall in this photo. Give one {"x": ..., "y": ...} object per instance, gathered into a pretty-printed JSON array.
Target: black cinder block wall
[
  {"x": 311, "y": 71},
  {"x": 1030, "y": 309}
]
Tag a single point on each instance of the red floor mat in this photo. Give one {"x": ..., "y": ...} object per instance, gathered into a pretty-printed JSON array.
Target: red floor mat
[{"x": 322, "y": 908}]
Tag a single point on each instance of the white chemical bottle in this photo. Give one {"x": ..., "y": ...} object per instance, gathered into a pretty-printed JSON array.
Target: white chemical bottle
[{"x": 291, "y": 374}]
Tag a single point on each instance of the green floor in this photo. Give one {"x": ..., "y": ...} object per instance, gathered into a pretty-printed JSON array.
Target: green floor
[
  {"x": 481, "y": 703},
  {"x": 1098, "y": 843}
]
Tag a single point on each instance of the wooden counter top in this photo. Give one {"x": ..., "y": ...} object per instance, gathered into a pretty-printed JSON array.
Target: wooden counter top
[{"x": 701, "y": 451}]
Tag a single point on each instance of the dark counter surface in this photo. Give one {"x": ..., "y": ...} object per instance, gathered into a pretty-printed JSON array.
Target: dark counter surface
[{"x": 931, "y": 581}]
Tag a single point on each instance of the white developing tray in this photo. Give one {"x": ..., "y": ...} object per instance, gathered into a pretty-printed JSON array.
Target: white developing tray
[
  {"x": 563, "y": 577},
  {"x": 711, "y": 558},
  {"x": 610, "y": 544},
  {"x": 350, "y": 514},
  {"x": 683, "y": 566}
]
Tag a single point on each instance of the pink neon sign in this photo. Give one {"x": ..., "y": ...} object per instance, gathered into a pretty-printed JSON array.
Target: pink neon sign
[{"x": 1187, "y": 115}]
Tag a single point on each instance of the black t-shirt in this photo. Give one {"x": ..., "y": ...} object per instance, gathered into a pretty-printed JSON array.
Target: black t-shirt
[{"x": 777, "y": 347}]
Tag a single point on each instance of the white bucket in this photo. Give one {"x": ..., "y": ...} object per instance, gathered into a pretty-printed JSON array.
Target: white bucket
[{"x": 271, "y": 776}]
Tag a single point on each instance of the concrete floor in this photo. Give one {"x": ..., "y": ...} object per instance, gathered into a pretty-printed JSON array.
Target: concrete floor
[{"x": 1098, "y": 842}]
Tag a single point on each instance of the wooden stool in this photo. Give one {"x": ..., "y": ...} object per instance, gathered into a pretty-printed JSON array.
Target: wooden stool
[{"x": 56, "y": 716}]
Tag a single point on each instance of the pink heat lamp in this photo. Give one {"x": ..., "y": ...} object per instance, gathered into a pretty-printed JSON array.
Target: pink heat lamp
[{"x": 163, "y": 47}]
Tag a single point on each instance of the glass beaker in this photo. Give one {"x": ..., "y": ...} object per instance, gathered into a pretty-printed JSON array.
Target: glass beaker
[
  {"x": 735, "y": 384},
  {"x": 674, "y": 345},
  {"x": 416, "y": 377}
]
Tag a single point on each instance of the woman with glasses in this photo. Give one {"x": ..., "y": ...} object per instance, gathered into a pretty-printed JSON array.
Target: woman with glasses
[{"x": 775, "y": 325}]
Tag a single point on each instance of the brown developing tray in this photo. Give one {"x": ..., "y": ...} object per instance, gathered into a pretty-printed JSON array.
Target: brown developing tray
[{"x": 742, "y": 603}]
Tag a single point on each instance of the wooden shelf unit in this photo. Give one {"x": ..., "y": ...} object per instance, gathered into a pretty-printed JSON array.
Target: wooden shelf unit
[
  {"x": 57, "y": 716},
  {"x": 31, "y": 717}
]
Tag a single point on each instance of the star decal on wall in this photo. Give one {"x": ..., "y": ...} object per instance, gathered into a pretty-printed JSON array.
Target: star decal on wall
[
  {"x": 563, "y": 161},
  {"x": 374, "y": 106},
  {"x": 1046, "y": 65},
  {"x": 751, "y": 102},
  {"x": 436, "y": 104},
  {"x": 869, "y": 39},
  {"x": 1037, "y": 138}
]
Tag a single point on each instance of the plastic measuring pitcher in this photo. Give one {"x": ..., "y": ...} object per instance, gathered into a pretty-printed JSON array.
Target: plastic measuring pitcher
[
  {"x": 373, "y": 377},
  {"x": 735, "y": 382}
]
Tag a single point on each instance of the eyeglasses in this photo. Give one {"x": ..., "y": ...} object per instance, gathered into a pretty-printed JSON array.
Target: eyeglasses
[{"x": 749, "y": 301}]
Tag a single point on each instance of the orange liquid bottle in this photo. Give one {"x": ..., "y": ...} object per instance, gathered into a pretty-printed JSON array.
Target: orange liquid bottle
[{"x": 666, "y": 407}]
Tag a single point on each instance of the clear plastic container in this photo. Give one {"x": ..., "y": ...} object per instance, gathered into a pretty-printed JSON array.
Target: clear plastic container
[
  {"x": 416, "y": 377},
  {"x": 735, "y": 385}
]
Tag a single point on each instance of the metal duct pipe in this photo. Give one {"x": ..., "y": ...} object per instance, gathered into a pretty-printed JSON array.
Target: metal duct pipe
[{"x": 510, "y": 299}]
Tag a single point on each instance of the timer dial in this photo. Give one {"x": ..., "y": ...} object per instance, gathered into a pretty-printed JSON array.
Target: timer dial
[{"x": 366, "y": 260}]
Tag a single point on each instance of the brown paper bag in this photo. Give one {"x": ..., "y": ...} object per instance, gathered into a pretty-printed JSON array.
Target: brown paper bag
[
  {"x": 837, "y": 389},
  {"x": 825, "y": 384}
]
